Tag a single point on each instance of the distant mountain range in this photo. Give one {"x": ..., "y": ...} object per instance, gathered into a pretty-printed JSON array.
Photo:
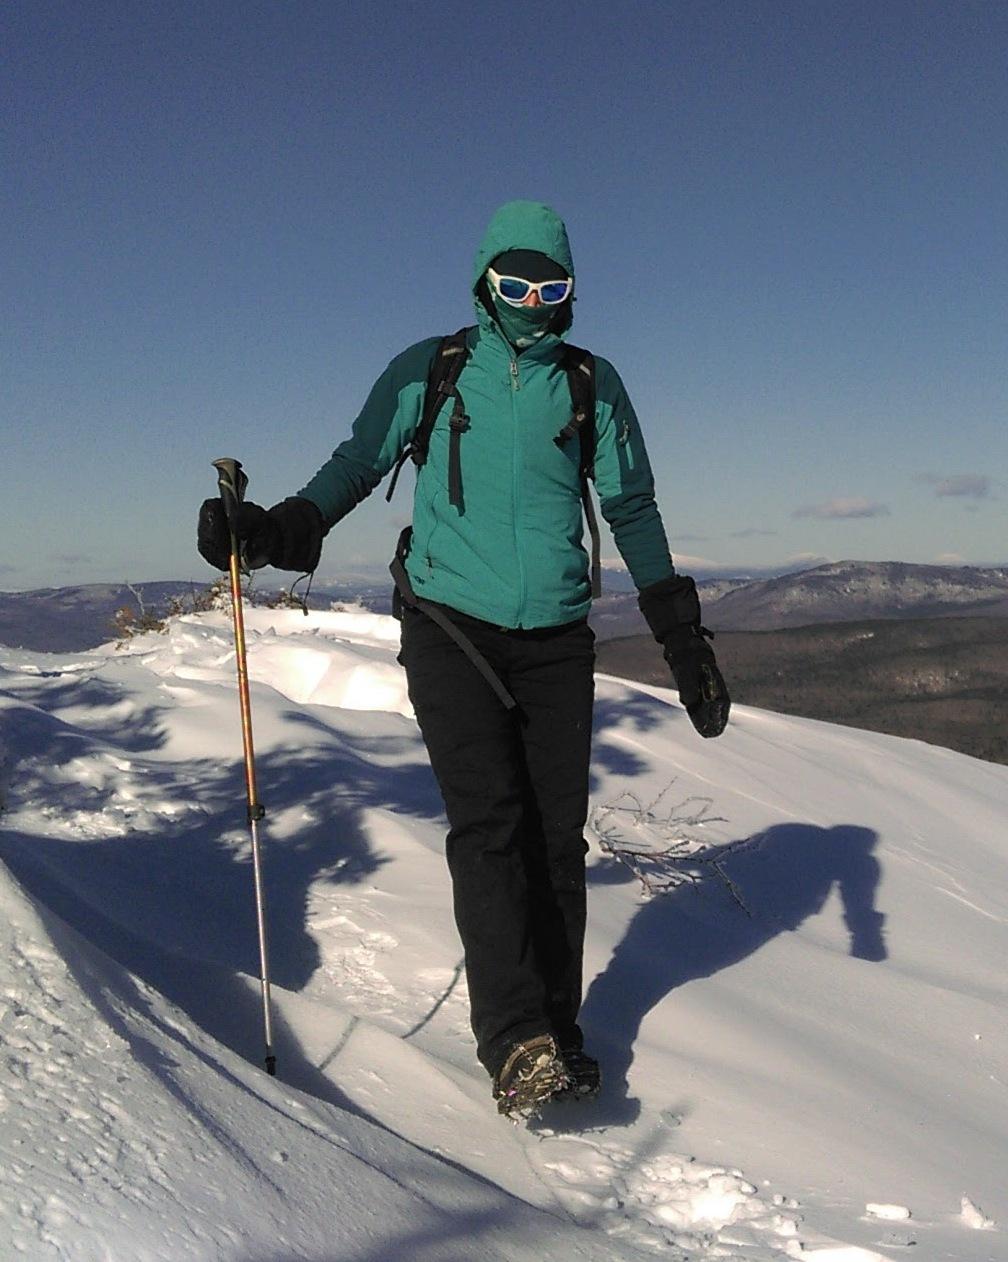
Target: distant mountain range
[
  {"x": 851, "y": 591},
  {"x": 68, "y": 619},
  {"x": 843, "y": 591}
]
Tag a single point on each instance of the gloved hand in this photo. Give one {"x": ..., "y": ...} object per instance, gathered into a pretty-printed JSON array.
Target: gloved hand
[
  {"x": 672, "y": 610},
  {"x": 253, "y": 530},
  {"x": 701, "y": 685},
  {"x": 289, "y": 535}
]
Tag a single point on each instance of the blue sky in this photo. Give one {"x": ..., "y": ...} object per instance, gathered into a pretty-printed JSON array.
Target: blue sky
[{"x": 221, "y": 220}]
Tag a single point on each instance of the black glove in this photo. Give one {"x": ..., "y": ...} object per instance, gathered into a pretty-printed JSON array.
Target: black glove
[
  {"x": 289, "y": 535},
  {"x": 672, "y": 610},
  {"x": 701, "y": 685}
]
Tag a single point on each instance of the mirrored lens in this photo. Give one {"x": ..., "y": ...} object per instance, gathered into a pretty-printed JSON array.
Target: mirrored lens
[
  {"x": 512, "y": 288},
  {"x": 554, "y": 291}
]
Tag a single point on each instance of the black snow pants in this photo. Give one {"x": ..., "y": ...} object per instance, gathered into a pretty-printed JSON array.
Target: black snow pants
[{"x": 515, "y": 789}]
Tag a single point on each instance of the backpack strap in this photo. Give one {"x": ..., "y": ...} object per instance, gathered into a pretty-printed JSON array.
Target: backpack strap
[
  {"x": 445, "y": 370},
  {"x": 458, "y": 423},
  {"x": 579, "y": 366}
]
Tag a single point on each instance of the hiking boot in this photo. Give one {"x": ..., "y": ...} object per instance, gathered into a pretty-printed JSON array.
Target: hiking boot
[
  {"x": 584, "y": 1077},
  {"x": 532, "y": 1074}
]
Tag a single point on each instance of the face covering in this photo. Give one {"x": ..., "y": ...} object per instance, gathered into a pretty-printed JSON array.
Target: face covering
[{"x": 522, "y": 325}]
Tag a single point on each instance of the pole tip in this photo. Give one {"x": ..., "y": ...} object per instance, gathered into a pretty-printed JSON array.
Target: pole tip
[{"x": 271, "y": 1066}]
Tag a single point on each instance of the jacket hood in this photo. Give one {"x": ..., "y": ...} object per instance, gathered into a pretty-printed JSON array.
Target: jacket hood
[{"x": 524, "y": 225}]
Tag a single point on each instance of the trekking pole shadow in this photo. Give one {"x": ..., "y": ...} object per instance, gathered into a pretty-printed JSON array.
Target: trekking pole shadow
[{"x": 439, "y": 1002}]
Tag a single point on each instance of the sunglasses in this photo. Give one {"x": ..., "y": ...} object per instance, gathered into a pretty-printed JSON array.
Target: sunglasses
[{"x": 515, "y": 289}]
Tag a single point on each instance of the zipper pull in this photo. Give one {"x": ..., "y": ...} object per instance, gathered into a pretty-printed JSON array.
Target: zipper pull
[{"x": 515, "y": 381}]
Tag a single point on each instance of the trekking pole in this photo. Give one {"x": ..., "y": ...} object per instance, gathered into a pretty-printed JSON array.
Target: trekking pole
[{"x": 231, "y": 482}]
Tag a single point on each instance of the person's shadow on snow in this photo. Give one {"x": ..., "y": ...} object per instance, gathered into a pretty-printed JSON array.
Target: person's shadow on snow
[{"x": 784, "y": 876}]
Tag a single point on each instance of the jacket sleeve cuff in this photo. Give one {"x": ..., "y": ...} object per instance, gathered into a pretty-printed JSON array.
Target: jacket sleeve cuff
[{"x": 670, "y": 606}]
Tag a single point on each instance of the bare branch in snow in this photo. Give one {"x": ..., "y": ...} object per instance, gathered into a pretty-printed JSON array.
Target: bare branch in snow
[{"x": 662, "y": 845}]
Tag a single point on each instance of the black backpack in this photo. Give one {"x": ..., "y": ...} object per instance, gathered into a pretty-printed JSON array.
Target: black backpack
[{"x": 445, "y": 370}]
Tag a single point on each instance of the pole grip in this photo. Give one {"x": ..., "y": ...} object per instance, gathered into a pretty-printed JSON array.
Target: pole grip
[{"x": 231, "y": 482}]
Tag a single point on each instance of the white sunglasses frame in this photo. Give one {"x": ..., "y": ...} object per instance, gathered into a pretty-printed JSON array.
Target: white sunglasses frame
[{"x": 534, "y": 286}]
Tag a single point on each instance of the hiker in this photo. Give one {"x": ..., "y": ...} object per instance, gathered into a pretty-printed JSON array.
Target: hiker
[{"x": 505, "y": 421}]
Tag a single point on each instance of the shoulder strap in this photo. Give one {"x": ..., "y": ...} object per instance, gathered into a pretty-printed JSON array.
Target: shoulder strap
[
  {"x": 579, "y": 366},
  {"x": 445, "y": 370}
]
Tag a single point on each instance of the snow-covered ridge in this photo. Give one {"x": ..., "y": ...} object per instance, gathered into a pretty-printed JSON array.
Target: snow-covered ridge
[
  {"x": 80, "y": 617},
  {"x": 805, "y": 1054}
]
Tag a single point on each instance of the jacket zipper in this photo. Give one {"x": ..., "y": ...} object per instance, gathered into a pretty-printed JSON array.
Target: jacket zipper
[{"x": 516, "y": 450}]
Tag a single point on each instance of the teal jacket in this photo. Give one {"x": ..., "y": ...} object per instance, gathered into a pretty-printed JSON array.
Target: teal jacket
[{"x": 513, "y": 553}]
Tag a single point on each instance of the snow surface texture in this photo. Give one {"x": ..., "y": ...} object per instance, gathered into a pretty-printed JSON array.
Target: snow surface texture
[{"x": 803, "y": 1038}]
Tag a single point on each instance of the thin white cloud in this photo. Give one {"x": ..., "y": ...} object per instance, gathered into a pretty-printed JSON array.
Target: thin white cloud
[
  {"x": 843, "y": 509},
  {"x": 685, "y": 563},
  {"x": 752, "y": 532},
  {"x": 949, "y": 558},
  {"x": 973, "y": 486}
]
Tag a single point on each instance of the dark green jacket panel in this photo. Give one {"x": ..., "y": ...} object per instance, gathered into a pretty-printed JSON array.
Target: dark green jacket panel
[
  {"x": 624, "y": 481},
  {"x": 382, "y": 431}
]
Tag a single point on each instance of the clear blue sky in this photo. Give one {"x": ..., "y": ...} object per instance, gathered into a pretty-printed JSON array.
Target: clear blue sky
[{"x": 220, "y": 220}]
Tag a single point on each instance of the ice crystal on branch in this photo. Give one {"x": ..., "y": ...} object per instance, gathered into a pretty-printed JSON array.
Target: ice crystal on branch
[{"x": 662, "y": 844}]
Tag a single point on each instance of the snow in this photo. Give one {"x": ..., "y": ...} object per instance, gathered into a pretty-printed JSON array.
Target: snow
[
  {"x": 804, "y": 1045},
  {"x": 895, "y": 1213}
]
